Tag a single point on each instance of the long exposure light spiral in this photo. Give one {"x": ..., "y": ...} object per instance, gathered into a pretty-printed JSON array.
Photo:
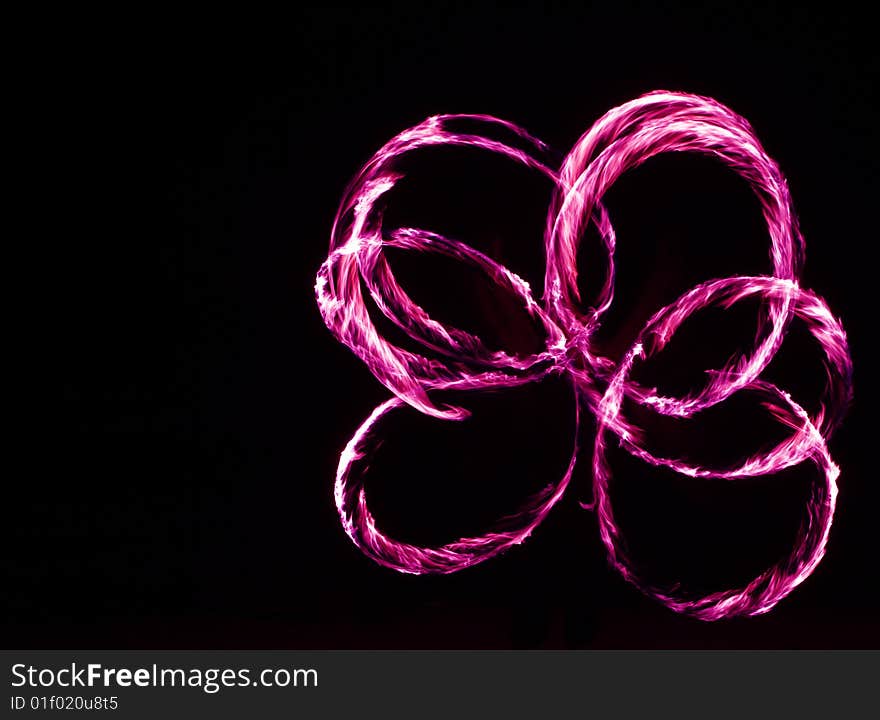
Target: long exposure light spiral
[{"x": 621, "y": 140}]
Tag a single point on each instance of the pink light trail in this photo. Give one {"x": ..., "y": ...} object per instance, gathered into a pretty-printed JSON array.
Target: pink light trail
[{"x": 622, "y": 139}]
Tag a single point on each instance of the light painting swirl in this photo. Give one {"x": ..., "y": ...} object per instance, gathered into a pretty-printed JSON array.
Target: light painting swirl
[{"x": 621, "y": 140}]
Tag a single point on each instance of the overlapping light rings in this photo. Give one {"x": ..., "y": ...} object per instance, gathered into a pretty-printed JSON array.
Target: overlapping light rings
[{"x": 457, "y": 360}]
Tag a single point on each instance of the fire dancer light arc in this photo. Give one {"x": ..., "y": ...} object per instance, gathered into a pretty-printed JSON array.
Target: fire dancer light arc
[{"x": 621, "y": 140}]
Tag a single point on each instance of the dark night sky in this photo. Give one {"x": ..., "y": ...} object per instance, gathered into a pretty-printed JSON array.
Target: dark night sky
[{"x": 179, "y": 489}]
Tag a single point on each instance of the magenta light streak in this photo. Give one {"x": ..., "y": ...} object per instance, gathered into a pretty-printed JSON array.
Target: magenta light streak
[{"x": 622, "y": 139}]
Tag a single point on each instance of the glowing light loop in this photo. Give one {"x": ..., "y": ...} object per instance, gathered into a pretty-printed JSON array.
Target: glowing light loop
[{"x": 621, "y": 140}]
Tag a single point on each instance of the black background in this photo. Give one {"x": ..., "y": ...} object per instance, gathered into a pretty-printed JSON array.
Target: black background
[{"x": 178, "y": 493}]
